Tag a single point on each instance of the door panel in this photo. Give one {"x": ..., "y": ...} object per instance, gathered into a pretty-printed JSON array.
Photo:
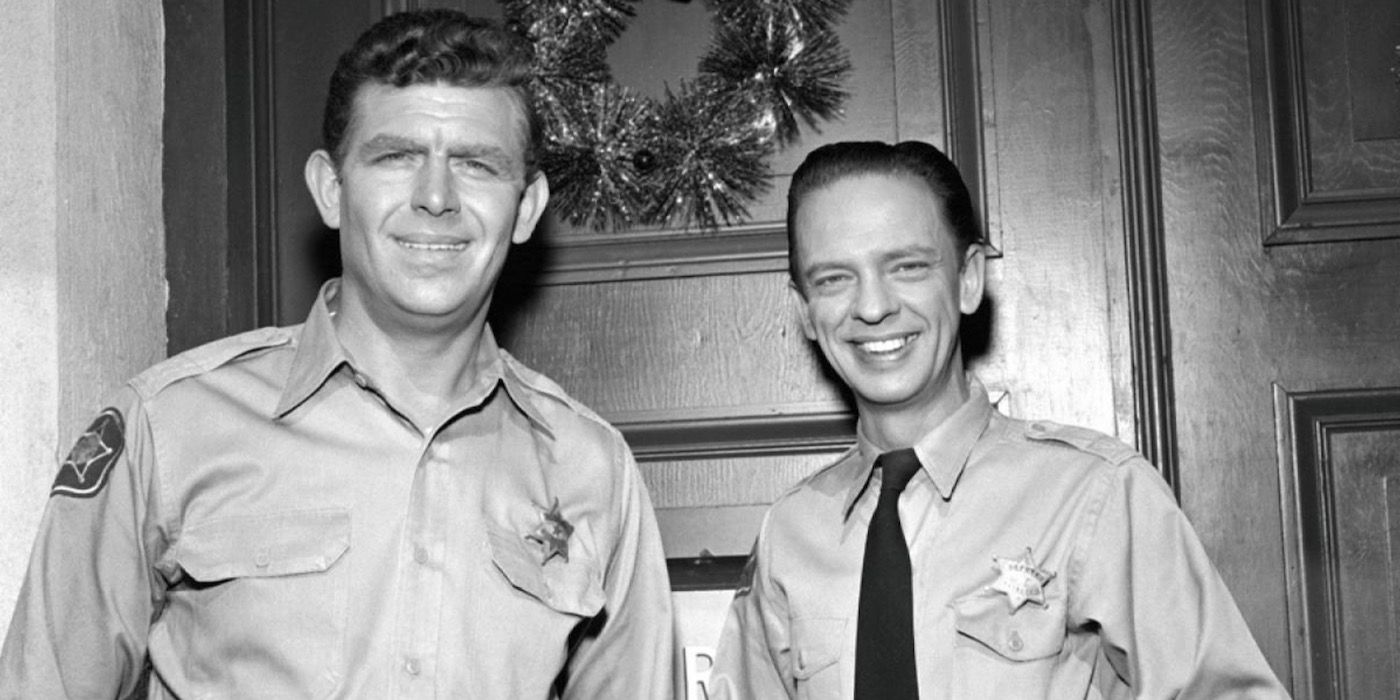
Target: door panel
[{"x": 1340, "y": 478}]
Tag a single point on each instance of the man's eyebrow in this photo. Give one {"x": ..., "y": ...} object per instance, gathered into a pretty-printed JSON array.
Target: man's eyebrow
[
  {"x": 504, "y": 162},
  {"x": 818, "y": 267},
  {"x": 926, "y": 251},
  {"x": 392, "y": 142},
  {"x": 500, "y": 156},
  {"x": 479, "y": 150}
]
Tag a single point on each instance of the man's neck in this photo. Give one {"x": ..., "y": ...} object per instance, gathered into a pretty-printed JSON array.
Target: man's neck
[
  {"x": 421, "y": 371},
  {"x": 895, "y": 427}
]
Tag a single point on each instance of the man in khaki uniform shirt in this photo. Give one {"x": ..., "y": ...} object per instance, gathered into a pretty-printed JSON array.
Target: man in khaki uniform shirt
[
  {"x": 1045, "y": 560},
  {"x": 380, "y": 502}
]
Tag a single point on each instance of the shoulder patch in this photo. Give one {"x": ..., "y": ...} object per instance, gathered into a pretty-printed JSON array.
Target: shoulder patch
[
  {"x": 84, "y": 472},
  {"x": 1104, "y": 446},
  {"x": 201, "y": 359}
]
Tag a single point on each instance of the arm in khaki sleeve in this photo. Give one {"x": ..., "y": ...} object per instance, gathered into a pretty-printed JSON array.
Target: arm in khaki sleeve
[
  {"x": 1169, "y": 625},
  {"x": 630, "y": 655},
  {"x": 80, "y": 626},
  {"x": 753, "y": 658}
]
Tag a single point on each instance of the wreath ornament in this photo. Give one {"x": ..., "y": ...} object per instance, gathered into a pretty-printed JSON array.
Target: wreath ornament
[{"x": 618, "y": 160}]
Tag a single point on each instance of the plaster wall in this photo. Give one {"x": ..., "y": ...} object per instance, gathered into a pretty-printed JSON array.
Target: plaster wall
[{"x": 82, "y": 278}]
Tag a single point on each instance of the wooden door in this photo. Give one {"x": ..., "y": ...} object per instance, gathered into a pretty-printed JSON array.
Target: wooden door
[{"x": 1280, "y": 168}]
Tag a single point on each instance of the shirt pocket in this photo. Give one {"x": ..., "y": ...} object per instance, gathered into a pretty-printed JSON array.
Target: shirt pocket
[
  {"x": 573, "y": 587},
  {"x": 1001, "y": 653},
  {"x": 816, "y": 656},
  {"x": 260, "y": 602}
]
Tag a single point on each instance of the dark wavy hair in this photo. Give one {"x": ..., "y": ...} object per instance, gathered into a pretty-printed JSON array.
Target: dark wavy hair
[
  {"x": 919, "y": 161},
  {"x": 427, "y": 47}
]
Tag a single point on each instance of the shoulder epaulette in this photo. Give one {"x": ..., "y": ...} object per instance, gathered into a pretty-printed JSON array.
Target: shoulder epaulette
[
  {"x": 206, "y": 357},
  {"x": 1104, "y": 446}
]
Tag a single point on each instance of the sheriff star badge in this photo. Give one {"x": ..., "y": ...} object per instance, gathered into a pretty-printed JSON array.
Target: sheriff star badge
[
  {"x": 552, "y": 534},
  {"x": 1021, "y": 580}
]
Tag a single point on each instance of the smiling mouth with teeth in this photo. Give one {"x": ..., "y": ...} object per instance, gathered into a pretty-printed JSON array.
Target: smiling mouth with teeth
[
  {"x": 440, "y": 247},
  {"x": 888, "y": 345}
]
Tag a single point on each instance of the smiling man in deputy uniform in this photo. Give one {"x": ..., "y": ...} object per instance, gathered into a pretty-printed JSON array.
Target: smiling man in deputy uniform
[
  {"x": 954, "y": 552},
  {"x": 380, "y": 502}
]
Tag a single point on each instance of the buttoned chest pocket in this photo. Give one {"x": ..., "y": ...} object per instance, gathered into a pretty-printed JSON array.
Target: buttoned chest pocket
[
  {"x": 816, "y": 656},
  {"x": 1003, "y": 653},
  {"x": 260, "y": 603}
]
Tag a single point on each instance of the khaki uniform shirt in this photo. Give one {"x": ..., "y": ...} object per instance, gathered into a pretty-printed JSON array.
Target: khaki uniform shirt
[
  {"x": 1048, "y": 562},
  {"x": 258, "y": 520}
]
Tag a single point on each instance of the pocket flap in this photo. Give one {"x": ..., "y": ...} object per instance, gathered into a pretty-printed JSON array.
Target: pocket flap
[
  {"x": 574, "y": 587},
  {"x": 1031, "y": 632},
  {"x": 816, "y": 644},
  {"x": 275, "y": 544}
]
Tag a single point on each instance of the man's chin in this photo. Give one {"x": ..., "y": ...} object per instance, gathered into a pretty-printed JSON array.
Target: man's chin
[{"x": 885, "y": 395}]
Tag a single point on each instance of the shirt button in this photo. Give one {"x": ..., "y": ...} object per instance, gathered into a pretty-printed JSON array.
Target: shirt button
[
  {"x": 1015, "y": 642},
  {"x": 262, "y": 559},
  {"x": 420, "y": 554},
  {"x": 410, "y": 666}
]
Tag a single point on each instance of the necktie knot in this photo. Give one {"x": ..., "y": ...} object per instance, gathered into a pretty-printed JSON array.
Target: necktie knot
[{"x": 898, "y": 468}]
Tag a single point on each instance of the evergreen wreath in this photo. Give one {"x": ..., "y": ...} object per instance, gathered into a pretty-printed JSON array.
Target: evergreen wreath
[{"x": 699, "y": 156}]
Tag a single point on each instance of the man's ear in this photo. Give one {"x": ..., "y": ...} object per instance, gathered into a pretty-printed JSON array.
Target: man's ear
[
  {"x": 324, "y": 183},
  {"x": 532, "y": 203},
  {"x": 798, "y": 302},
  {"x": 972, "y": 279}
]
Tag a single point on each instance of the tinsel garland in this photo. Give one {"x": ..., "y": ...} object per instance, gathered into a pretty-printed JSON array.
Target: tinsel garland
[
  {"x": 618, "y": 160},
  {"x": 710, "y": 158},
  {"x": 591, "y": 155},
  {"x": 796, "y": 75}
]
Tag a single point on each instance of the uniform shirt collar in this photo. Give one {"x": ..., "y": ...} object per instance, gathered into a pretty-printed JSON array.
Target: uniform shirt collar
[
  {"x": 319, "y": 354},
  {"x": 518, "y": 383},
  {"x": 943, "y": 451}
]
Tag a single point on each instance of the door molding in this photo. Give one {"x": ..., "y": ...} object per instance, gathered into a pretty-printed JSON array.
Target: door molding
[
  {"x": 1307, "y": 423},
  {"x": 1296, "y": 154},
  {"x": 1154, "y": 399}
]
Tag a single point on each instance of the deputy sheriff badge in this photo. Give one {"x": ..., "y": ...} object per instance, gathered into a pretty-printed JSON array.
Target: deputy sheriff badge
[{"x": 1021, "y": 580}]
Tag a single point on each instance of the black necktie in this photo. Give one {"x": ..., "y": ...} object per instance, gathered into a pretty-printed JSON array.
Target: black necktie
[{"x": 885, "y": 627}]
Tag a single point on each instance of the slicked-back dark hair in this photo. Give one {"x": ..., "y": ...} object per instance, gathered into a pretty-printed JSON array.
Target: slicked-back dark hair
[
  {"x": 916, "y": 160},
  {"x": 425, "y": 47}
]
